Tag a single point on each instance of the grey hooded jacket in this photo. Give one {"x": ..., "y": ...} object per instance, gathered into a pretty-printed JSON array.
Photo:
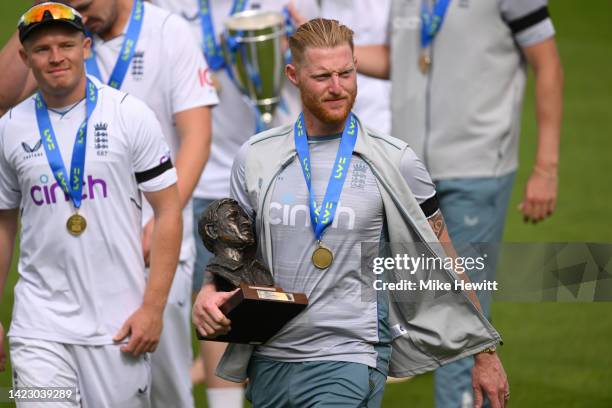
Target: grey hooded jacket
[{"x": 428, "y": 331}]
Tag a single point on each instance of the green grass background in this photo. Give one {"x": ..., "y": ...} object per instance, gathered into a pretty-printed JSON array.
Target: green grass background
[{"x": 555, "y": 354}]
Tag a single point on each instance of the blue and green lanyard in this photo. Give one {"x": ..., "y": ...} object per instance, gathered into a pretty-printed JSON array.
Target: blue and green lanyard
[
  {"x": 323, "y": 216},
  {"x": 127, "y": 49},
  {"x": 71, "y": 184},
  {"x": 212, "y": 49},
  {"x": 431, "y": 20}
]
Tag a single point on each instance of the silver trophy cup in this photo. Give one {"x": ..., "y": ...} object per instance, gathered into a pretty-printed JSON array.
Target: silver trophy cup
[{"x": 252, "y": 50}]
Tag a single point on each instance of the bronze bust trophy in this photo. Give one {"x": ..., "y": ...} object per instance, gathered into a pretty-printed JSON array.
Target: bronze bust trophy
[{"x": 258, "y": 310}]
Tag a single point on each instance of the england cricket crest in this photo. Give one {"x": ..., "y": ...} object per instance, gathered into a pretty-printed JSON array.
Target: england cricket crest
[{"x": 101, "y": 138}]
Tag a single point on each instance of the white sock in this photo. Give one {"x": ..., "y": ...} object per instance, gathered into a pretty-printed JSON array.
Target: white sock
[{"x": 225, "y": 397}]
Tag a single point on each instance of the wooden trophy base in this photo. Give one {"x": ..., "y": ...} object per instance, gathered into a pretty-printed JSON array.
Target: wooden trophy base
[{"x": 258, "y": 312}]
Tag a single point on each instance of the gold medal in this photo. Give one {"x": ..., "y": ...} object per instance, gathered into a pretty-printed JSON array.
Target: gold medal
[
  {"x": 322, "y": 257},
  {"x": 76, "y": 224},
  {"x": 424, "y": 61}
]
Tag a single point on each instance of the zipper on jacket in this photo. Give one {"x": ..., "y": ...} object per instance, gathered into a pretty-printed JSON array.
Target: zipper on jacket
[{"x": 282, "y": 167}]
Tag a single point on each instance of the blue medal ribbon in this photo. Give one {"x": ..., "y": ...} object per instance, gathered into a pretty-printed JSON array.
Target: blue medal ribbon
[
  {"x": 72, "y": 186},
  {"x": 323, "y": 216},
  {"x": 127, "y": 49},
  {"x": 212, "y": 49},
  {"x": 431, "y": 20}
]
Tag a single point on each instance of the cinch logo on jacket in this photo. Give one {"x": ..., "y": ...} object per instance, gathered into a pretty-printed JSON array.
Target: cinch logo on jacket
[
  {"x": 292, "y": 215},
  {"x": 49, "y": 194}
]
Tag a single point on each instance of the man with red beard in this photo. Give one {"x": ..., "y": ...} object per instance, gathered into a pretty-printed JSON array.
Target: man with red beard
[{"x": 316, "y": 190}]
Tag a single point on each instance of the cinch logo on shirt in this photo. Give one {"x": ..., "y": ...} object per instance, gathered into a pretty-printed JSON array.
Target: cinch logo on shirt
[
  {"x": 292, "y": 215},
  {"x": 47, "y": 195},
  {"x": 407, "y": 23}
]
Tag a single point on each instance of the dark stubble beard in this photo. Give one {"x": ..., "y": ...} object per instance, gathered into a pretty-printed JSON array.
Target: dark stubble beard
[
  {"x": 315, "y": 106},
  {"x": 107, "y": 24}
]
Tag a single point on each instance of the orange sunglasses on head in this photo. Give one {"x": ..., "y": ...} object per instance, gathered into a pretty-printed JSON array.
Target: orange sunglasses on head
[{"x": 58, "y": 11}]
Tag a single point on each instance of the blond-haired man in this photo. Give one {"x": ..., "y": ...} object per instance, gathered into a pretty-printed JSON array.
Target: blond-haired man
[
  {"x": 132, "y": 43},
  {"x": 82, "y": 285},
  {"x": 337, "y": 353}
]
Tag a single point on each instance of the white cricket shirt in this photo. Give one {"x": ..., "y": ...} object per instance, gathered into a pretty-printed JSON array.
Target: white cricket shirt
[
  {"x": 169, "y": 73},
  {"x": 80, "y": 290}
]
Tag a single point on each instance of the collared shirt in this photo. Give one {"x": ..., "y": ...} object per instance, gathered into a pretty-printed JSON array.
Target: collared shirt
[{"x": 69, "y": 287}]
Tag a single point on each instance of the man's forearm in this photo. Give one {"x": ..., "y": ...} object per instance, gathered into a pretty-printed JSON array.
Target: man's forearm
[
  {"x": 373, "y": 60},
  {"x": 438, "y": 225},
  {"x": 194, "y": 127},
  {"x": 209, "y": 279},
  {"x": 548, "y": 72},
  {"x": 8, "y": 231},
  {"x": 549, "y": 109},
  {"x": 14, "y": 83},
  {"x": 209, "y": 287},
  {"x": 165, "y": 249}
]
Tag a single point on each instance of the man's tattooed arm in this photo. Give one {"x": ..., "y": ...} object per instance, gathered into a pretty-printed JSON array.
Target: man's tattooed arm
[
  {"x": 436, "y": 221},
  {"x": 438, "y": 225}
]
